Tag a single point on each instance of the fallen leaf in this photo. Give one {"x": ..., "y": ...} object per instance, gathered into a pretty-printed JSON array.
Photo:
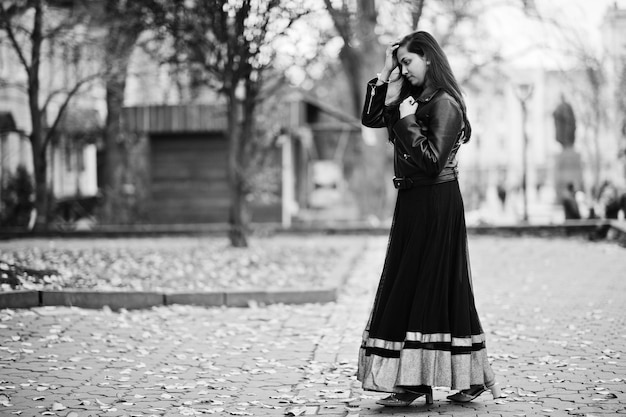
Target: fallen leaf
[
  {"x": 523, "y": 393},
  {"x": 58, "y": 407},
  {"x": 296, "y": 411}
]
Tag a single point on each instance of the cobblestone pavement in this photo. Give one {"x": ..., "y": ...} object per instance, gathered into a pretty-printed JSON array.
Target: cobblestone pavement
[{"x": 553, "y": 310}]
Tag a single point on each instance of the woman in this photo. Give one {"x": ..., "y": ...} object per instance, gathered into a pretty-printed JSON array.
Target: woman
[{"x": 424, "y": 330}]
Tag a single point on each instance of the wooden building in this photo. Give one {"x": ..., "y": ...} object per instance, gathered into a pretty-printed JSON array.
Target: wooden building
[
  {"x": 181, "y": 170},
  {"x": 181, "y": 155}
]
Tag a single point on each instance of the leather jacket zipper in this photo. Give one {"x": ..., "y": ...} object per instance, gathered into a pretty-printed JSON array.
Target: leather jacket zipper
[{"x": 369, "y": 106}]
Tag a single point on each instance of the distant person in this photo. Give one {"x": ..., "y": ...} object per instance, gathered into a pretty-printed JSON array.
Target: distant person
[
  {"x": 501, "y": 191},
  {"x": 583, "y": 203},
  {"x": 424, "y": 330},
  {"x": 570, "y": 205},
  {"x": 611, "y": 202}
]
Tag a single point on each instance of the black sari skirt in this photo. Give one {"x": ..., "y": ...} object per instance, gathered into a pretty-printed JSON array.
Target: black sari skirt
[{"x": 424, "y": 328}]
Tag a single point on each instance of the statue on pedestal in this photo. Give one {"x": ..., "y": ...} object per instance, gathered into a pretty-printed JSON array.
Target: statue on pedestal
[
  {"x": 564, "y": 123},
  {"x": 568, "y": 167}
]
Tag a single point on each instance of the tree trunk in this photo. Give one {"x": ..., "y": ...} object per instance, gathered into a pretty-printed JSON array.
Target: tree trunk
[
  {"x": 41, "y": 183},
  {"x": 119, "y": 48},
  {"x": 237, "y": 212},
  {"x": 37, "y": 140},
  {"x": 371, "y": 53},
  {"x": 416, "y": 14},
  {"x": 360, "y": 65},
  {"x": 114, "y": 206},
  {"x": 352, "y": 66}
]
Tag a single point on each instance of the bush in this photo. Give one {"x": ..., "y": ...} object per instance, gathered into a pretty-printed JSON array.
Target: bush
[{"x": 17, "y": 200}]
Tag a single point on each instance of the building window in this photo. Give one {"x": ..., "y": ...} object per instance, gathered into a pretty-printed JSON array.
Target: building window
[
  {"x": 69, "y": 166},
  {"x": 80, "y": 158}
]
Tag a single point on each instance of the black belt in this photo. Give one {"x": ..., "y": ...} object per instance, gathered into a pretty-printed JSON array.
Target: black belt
[{"x": 402, "y": 183}]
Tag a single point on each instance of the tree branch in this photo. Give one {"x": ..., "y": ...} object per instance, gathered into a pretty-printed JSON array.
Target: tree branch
[
  {"x": 342, "y": 23},
  {"x": 70, "y": 94},
  {"x": 66, "y": 24},
  {"x": 8, "y": 27},
  {"x": 416, "y": 14}
]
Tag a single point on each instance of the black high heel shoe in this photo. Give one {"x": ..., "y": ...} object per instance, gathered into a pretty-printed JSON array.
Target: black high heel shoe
[
  {"x": 404, "y": 399},
  {"x": 467, "y": 395}
]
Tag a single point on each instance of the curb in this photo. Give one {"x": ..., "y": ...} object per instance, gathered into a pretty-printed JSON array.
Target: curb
[
  {"x": 20, "y": 299},
  {"x": 566, "y": 229},
  {"x": 117, "y": 300},
  {"x": 97, "y": 299},
  {"x": 205, "y": 299},
  {"x": 569, "y": 227},
  {"x": 243, "y": 298}
]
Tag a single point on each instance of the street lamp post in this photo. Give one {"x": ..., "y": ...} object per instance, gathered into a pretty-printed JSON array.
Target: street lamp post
[{"x": 524, "y": 91}]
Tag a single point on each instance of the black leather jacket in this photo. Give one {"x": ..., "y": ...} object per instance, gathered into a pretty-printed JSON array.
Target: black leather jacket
[{"x": 425, "y": 144}]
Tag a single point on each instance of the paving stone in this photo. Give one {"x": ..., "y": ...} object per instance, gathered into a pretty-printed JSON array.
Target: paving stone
[{"x": 543, "y": 304}]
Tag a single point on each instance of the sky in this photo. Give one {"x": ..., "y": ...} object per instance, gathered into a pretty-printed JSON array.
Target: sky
[{"x": 582, "y": 19}]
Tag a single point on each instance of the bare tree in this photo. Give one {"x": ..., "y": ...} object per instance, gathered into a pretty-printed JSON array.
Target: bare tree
[
  {"x": 123, "y": 23},
  {"x": 362, "y": 51},
  {"x": 594, "y": 116},
  {"x": 621, "y": 112},
  {"x": 227, "y": 46},
  {"x": 34, "y": 29},
  {"x": 358, "y": 25},
  {"x": 361, "y": 56}
]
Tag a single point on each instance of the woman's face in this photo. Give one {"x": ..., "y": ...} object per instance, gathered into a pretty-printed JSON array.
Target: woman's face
[{"x": 413, "y": 66}]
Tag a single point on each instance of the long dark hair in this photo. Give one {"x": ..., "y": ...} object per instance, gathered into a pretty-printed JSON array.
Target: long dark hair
[{"x": 439, "y": 74}]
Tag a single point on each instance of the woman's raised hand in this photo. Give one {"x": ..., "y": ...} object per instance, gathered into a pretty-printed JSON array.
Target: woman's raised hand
[{"x": 391, "y": 62}]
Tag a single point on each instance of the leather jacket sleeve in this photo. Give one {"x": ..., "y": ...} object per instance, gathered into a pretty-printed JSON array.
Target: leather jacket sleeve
[
  {"x": 430, "y": 146},
  {"x": 372, "y": 115}
]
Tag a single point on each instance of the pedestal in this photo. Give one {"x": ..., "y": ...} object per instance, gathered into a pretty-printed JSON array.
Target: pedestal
[{"x": 568, "y": 169}]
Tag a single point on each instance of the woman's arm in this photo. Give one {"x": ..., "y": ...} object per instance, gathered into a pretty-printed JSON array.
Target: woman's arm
[
  {"x": 372, "y": 115},
  {"x": 430, "y": 150}
]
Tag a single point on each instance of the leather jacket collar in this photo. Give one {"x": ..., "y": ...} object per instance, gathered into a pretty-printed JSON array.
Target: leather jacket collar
[{"x": 428, "y": 94}]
